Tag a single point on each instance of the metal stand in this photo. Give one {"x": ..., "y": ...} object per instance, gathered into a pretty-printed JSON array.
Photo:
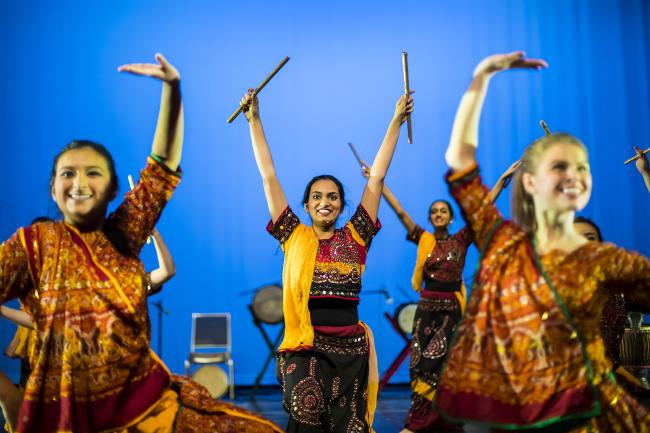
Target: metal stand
[
  {"x": 400, "y": 357},
  {"x": 161, "y": 311},
  {"x": 272, "y": 345}
]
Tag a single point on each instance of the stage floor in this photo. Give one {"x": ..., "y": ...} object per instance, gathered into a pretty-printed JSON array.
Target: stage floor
[{"x": 392, "y": 405}]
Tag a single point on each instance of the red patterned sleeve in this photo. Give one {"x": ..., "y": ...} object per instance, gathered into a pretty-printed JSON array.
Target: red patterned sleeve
[
  {"x": 415, "y": 234},
  {"x": 136, "y": 216},
  {"x": 471, "y": 194},
  {"x": 284, "y": 226},
  {"x": 364, "y": 226},
  {"x": 15, "y": 276}
]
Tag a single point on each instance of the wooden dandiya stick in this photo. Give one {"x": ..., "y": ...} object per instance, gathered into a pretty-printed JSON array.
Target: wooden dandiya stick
[
  {"x": 545, "y": 127},
  {"x": 260, "y": 87},
  {"x": 407, "y": 92},
  {"x": 356, "y": 155},
  {"x": 639, "y": 154},
  {"x": 132, "y": 186}
]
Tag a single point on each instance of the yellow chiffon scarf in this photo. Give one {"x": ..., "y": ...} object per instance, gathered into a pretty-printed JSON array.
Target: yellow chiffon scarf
[
  {"x": 425, "y": 246},
  {"x": 299, "y": 262}
]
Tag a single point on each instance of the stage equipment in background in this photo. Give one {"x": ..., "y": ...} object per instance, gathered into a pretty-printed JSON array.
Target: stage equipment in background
[
  {"x": 161, "y": 310},
  {"x": 402, "y": 322},
  {"x": 212, "y": 331},
  {"x": 639, "y": 154},
  {"x": 266, "y": 308},
  {"x": 405, "y": 314},
  {"x": 267, "y": 304},
  {"x": 635, "y": 349},
  {"x": 383, "y": 291},
  {"x": 259, "y": 88},
  {"x": 407, "y": 92},
  {"x": 213, "y": 378}
]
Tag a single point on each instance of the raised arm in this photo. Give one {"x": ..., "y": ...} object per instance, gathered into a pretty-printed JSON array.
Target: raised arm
[
  {"x": 503, "y": 181},
  {"x": 275, "y": 198},
  {"x": 403, "y": 216},
  {"x": 168, "y": 139},
  {"x": 19, "y": 317},
  {"x": 166, "y": 267},
  {"x": 464, "y": 136},
  {"x": 374, "y": 187}
]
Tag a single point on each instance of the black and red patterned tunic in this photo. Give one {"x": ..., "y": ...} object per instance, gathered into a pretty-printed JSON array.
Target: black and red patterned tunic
[
  {"x": 446, "y": 262},
  {"x": 340, "y": 261}
]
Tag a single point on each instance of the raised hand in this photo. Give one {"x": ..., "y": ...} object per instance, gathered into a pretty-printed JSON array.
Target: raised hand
[
  {"x": 250, "y": 104},
  {"x": 365, "y": 170},
  {"x": 500, "y": 62},
  {"x": 642, "y": 161},
  {"x": 163, "y": 70},
  {"x": 404, "y": 107}
]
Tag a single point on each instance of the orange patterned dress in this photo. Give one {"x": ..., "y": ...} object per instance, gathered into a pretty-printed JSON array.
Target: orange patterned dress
[
  {"x": 93, "y": 369},
  {"x": 528, "y": 352}
]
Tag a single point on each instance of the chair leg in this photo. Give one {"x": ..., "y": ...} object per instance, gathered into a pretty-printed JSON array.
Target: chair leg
[{"x": 231, "y": 370}]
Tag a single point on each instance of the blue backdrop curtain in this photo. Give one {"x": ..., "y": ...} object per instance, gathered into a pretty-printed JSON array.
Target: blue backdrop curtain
[{"x": 58, "y": 81}]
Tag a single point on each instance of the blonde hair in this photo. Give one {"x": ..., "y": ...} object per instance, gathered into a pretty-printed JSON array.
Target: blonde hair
[{"x": 522, "y": 205}]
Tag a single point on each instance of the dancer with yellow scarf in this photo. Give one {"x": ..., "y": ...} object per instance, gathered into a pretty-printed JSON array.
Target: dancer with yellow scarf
[
  {"x": 327, "y": 362},
  {"x": 438, "y": 277}
]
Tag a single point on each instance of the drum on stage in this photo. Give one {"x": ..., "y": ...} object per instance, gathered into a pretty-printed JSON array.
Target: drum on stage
[
  {"x": 635, "y": 347},
  {"x": 267, "y": 304},
  {"x": 405, "y": 315},
  {"x": 213, "y": 378}
]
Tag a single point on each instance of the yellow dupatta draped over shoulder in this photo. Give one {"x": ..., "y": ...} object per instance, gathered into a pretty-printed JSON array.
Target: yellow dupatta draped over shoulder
[
  {"x": 426, "y": 244},
  {"x": 299, "y": 262}
]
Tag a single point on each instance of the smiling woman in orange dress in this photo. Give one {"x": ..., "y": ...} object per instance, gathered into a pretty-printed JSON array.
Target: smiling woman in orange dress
[
  {"x": 83, "y": 286},
  {"x": 528, "y": 353}
]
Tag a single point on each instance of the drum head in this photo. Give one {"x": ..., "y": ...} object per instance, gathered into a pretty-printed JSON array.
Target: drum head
[
  {"x": 213, "y": 378},
  {"x": 267, "y": 304},
  {"x": 405, "y": 314}
]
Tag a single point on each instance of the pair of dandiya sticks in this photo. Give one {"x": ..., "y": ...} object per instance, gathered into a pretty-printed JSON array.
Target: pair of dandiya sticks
[
  {"x": 258, "y": 89},
  {"x": 405, "y": 67}
]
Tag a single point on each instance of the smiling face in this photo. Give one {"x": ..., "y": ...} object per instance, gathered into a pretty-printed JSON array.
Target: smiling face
[
  {"x": 82, "y": 187},
  {"x": 324, "y": 203},
  {"x": 440, "y": 215},
  {"x": 561, "y": 181}
]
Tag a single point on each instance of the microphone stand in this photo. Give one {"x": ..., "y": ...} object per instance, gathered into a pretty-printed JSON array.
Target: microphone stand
[{"x": 161, "y": 311}]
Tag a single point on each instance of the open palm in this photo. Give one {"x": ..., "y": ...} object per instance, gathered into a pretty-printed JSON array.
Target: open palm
[
  {"x": 163, "y": 70},
  {"x": 500, "y": 62}
]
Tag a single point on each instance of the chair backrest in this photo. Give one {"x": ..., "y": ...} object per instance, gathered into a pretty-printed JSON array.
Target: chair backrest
[{"x": 210, "y": 331}]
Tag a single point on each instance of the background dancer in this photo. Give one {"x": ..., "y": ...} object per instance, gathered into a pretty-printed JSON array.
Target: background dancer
[{"x": 439, "y": 265}]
